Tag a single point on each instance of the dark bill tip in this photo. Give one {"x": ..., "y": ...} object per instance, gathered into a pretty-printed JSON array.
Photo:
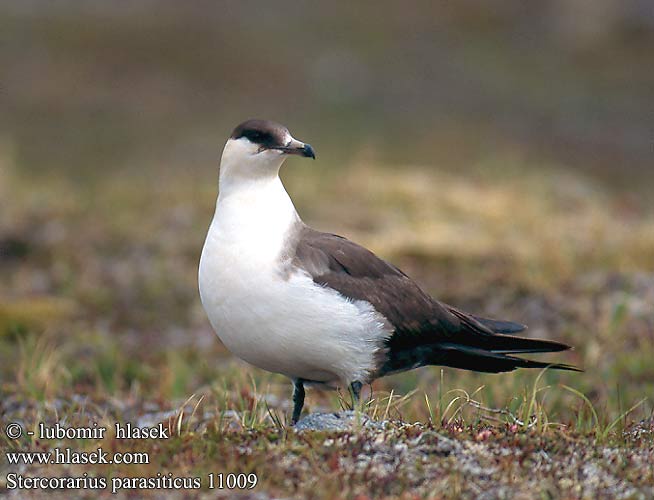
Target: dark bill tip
[
  {"x": 299, "y": 149},
  {"x": 308, "y": 152}
]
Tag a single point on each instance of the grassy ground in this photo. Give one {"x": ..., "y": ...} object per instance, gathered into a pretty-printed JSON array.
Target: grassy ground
[
  {"x": 535, "y": 206},
  {"x": 100, "y": 322}
]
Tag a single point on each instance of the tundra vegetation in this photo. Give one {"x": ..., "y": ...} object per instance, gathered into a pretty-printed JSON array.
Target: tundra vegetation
[
  {"x": 103, "y": 324},
  {"x": 505, "y": 166}
]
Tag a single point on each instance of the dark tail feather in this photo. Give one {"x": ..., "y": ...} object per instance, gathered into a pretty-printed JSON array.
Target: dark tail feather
[
  {"x": 496, "y": 336},
  {"x": 509, "y": 344},
  {"x": 481, "y": 360},
  {"x": 485, "y": 345}
]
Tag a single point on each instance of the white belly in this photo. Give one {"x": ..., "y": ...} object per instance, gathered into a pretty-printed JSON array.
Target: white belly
[{"x": 279, "y": 321}]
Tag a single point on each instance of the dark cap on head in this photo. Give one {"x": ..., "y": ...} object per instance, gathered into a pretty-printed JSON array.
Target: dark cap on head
[
  {"x": 264, "y": 132},
  {"x": 271, "y": 135}
]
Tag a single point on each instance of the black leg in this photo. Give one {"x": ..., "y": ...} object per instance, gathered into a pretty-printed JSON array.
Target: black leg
[
  {"x": 355, "y": 387},
  {"x": 298, "y": 400}
]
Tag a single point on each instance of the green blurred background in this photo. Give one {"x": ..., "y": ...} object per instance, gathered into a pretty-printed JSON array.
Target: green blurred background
[
  {"x": 500, "y": 152},
  {"x": 92, "y": 86}
]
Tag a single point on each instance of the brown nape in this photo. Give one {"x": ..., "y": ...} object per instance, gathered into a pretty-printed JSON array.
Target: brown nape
[{"x": 263, "y": 132}]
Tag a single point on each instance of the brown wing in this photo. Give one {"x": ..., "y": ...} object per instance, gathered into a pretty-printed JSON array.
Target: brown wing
[
  {"x": 359, "y": 274},
  {"x": 425, "y": 330}
]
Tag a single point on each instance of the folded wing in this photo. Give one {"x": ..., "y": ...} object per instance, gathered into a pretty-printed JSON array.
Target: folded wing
[{"x": 426, "y": 332}]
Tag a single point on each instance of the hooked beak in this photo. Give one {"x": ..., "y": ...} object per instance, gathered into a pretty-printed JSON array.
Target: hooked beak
[{"x": 295, "y": 147}]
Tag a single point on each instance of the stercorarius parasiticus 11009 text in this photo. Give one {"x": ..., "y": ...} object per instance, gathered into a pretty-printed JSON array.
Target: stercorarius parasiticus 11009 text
[{"x": 317, "y": 307}]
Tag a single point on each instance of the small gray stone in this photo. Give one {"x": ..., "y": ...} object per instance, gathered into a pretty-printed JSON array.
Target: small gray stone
[{"x": 336, "y": 421}]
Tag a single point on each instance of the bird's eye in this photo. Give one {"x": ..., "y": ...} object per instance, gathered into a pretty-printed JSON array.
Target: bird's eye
[{"x": 256, "y": 136}]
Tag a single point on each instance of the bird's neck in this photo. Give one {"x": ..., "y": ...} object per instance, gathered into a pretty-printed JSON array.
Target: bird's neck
[
  {"x": 240, "y": 169},
  {"x": 254, "y": 211}
]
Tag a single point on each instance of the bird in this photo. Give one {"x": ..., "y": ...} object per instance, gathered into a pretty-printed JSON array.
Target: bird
[{"x": 317, "y": 307}]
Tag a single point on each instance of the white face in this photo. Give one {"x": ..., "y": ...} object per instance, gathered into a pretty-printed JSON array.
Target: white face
[{"x": 242, "y": 158}]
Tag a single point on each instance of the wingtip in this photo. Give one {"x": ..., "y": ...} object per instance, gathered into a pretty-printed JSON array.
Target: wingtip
[{"x": 500, "y": 326}]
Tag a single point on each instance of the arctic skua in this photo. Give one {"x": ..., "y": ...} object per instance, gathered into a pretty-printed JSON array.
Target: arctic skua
[{"x": 317, "y": 307}]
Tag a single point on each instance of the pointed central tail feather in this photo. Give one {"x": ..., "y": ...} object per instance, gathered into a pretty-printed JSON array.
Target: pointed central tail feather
[
  {"x": 497, "y": 336},
  {"x": 486, "y": 344},
  {"x": 510, "y": 344},
  {"x": 481, "y": 360},
  {"x": 471, "y": 343}
]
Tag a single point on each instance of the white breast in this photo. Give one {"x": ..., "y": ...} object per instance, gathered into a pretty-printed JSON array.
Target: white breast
[{"x": 279, "y": 321}]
